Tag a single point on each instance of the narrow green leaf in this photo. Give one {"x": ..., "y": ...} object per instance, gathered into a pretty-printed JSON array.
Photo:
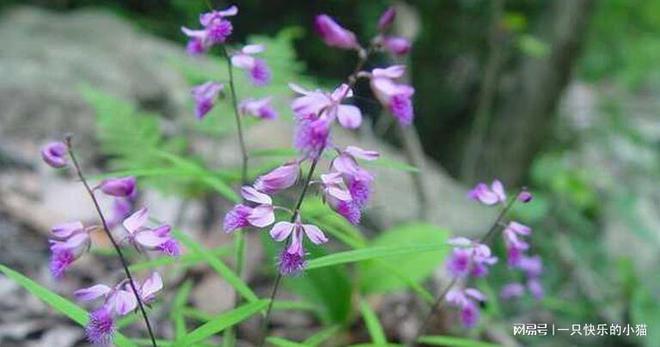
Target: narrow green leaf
[
  {"x": 322, "y": 335},
  {"x": 223, "y": 321},
  {"x": 292, "y": 305},
  {"x": 376, "y": 345},
  {"x": 176, "y": 314},
  {"x": 367, "y": 254},
  {"x": 451, "y": 341},
  {"x": 64, "y": 306},
  {"x": 372, "y": 323},
  {"x": 216, "y": 264},
  {"x": 281, "y": 342}
]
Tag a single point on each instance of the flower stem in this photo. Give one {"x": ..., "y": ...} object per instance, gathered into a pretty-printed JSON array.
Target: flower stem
[
  {"x": 438, "y": 302},
  {"x": 124, "y": 263},
  {"x": 239, "y": 238}
]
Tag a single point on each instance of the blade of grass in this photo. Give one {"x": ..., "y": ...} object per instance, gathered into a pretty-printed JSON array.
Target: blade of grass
[
  {"x": 321, "y": 336},
  {"x": 369, "y": 253},
  {"x": 451, "y": 341},
  {"x": 372, "y": 323}
]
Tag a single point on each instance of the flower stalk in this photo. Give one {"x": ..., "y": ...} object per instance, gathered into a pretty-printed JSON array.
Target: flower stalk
[{"x": 115, "y": 245}]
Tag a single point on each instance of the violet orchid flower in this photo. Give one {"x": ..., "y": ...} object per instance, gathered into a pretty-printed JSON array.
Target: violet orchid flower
[
  {"x": 205, "y": 96},
  {"x": 260, "y": 108},
  {"x": 515, "y": 246},
  {"x": 260, "y": 215},
  {"x": 386, "y": 19},
  {"x": 118, "y": 187},
  {"x": 198, "y": 41},
  {"x": 397, "y": 45},
  {"x": 292, "y": 259},
  {"x": 69, "y": 242},
  {"x": 469, "y": 258},
  {"x": 143, "y": 237},
  {"x": 488, "y": 195},
  {"x": 256, "y": 69},
  {"x": 280, "y": 178},
  {"x": 357, "y": 179},
  {"x": 395, "y": 97},
  {"x": 525, "y": 196},
  {"x": 118, "y": 301},
  {"x": 217, "y": 27},
  {"x": 467, "y": 300},
  {"x": 55, "y": 154},
  {"x": 333, "y": 34},
  {"x": 339, "y": 198},
  {"x": 318, "y": 103}
]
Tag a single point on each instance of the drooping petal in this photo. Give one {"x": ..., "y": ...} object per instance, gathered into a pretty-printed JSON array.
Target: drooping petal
[
  {"x": 314, "y": 234},
  {"x": 281, "y": 230},
  {"x": 136, "y": 220},
  {"x": 251, "y": 194},
  {"x": 91, "y": 293},
  {"x": 74, "y": 244},
  {"x": 122, "y": 301},
  {"x": 360, "y": 153},
  {"x": 150, "y": 287},
  {"x": 349, "y": 116},
  {"x": 149, "y": 239},
  {"x": 65, "y": 230},
  {"x": 262, "y": 216}
]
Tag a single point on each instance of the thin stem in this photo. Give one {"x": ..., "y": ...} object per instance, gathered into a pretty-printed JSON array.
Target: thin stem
[
  {"x": 239, "y": 126},
  {"x": 438, "y": 302},
  {"x": 124, "y": 263}
]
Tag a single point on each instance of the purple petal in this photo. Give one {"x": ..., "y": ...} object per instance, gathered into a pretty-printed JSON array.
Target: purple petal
[
  {"x": 91, "y": 293},
  {"x": 360, "y": 153},
  {"x": 262, "y": 216},
  {"x": 54, "y": 154},
  {"x": 136, "y": 220},
  {"x": 251, "y": 194},
  {"x": 281, "y": 230},
  {"x": 65, "y": 230},
  {"x": 386, "y": 19},
  {"x": 349, "y": 116},
  {"x": 150, "y": 287},
  {"x": 123, "y": 302},
  {"x": 314, "y": 234}
]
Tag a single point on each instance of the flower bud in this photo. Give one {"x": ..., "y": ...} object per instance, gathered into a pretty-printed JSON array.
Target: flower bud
[
  {"x": 281, "y": 178},
  {"x": 525, "y": 197},
  {"x": 120, "y": 187},
  {"x": 386, "y": 19},
  {"x": 333, "y": 34},
  {"x": 54, "y": 154}
]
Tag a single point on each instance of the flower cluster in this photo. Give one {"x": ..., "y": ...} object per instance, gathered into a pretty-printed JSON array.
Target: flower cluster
[
  {"x": 471, "y": 258},
  {"x": 117, "y": 301},
  {"x": 346, "y": 186},
  {"x": 216, "y": 30},
  {"x": 69, "y": 241}
]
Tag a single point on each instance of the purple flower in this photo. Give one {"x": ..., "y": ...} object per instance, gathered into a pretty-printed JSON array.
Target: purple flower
[
  {"x": 260, "y": 108},
  {"x": 100, "y": 327},
  {"x": 241, "y": 216},
  {"x": 397, "y": 45},
  {"x": 148, "y": 289},
  {"x": 119, "y": 187},
  {"x": 120, "y": 299},
  {"x": 311, "y": 135},
  {"x": 525, "y": 196},
  {"x": 121, "y": 208},
  {"x": 69, "y": 242},
  {"x": 316, "y": 104},
  {"x": 466, "y": 300},
  {"x": 54, "y": 154},
  {"x": 395, "y": 97},
  {"x": 216, "y": 26},
  {"x": 205, "y": 96},
  {"x": 280, "y": 178},
  {"x": 358, "y": 180},
  {"x": 515, "y": 246},
  {"x": 292, "y": 259},
  {"x": 386, "y": 19},
  {"x": 339, "y": 198},
  {"x": 257, "y": 69},
  {"x": 488, "y": 196},
  {"x": 512, "y": 290},
  {"x": 532, "y": 266},
  {"x": 535, "y": 287},
  {"x": 469, "y": 258},
  {"x": 198, "y": 41},
  {"x": 142, "y": 236},
  {"x": 333, "y": 34}
]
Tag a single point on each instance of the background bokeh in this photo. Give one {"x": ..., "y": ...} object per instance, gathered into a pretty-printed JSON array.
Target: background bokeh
[{"x": 560, "y": 96}]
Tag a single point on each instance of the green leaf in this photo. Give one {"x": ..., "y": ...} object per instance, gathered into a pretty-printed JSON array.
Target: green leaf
[
  {"x": 176, "y": 315},
  {"x": 451, "y": 341},
  {"x": 376, "y": 278},
  {"x": 223, "y": 321},
  {"x": 372, "y": 323},
  {"x": 216, "y": 264},
  {"x": 281, "y": 342},
  {"x": 322, "y": 335},
  {"x": 646, "y": 310},
  {"x": 363, "y": 254},
  {"x": 64, "y": 306}
]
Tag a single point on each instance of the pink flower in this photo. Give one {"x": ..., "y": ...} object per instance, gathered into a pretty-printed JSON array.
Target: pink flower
[
  {"x": 119, "y": 187},
  {"x": 280, "y": 178},
  {"x": 386, "y": 19},
  {"x": 141, "y": 236},
  {"x": 260, "y": 108},
  {"x": 469, "y": 258},
  {"x": 397, "y": 45},
  {"x": 241, "y": 216},
  {"x": 512, "y": 290},
  {"x": 216, "y": 26},
  {"x": 532, "y": 266},
  {"x": 515, "y": 246},
  {"x": 467, "y": 301},
  {"x": 294, "y": 259},
  {"x": 358, "y": 180},
  {"x": 257, "y": 70},
  {"x": 339, "y": 198},
  {"x": 488, "y": 196},
  {"x": 311, "y": 135},
  {"x": 395, "y": 97},
  {"x": 205, "y": 97},
  {"x": 536, "y": 288},
  {"x": 54, "y": 154},
  {"x": 70, "y": 241},
  {"x": 525, "y": 196},
  {"x": 333, "y": 34},
  {"x": 100, "y": 327}
]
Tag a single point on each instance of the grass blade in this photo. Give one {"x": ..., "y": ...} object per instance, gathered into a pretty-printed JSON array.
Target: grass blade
[
  {"x": 372, "y": 323},
  {"x": 362, "y": 254},
  {"x": 452, "y": 341}
]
